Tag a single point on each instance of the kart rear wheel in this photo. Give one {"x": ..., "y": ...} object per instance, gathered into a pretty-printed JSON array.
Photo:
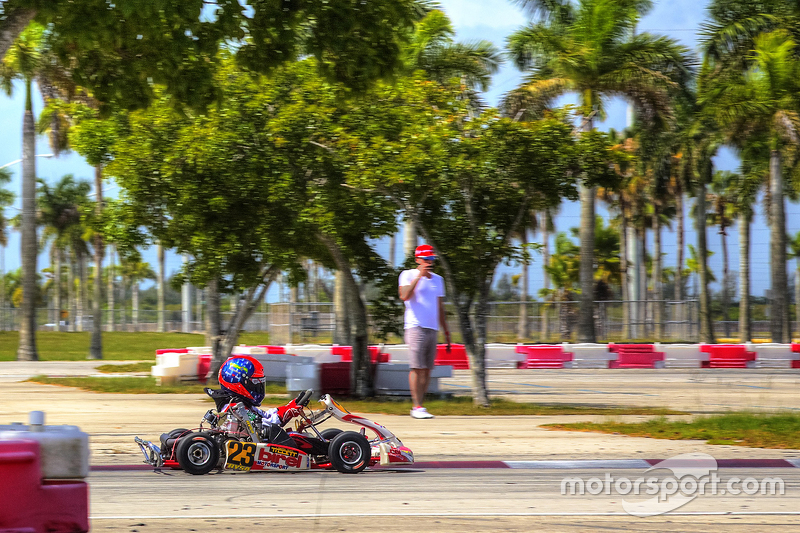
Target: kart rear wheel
[
  {"x": 198, "y": 453},
  {"x": 329, "y": 433},
  {"x": 349, "y": 452}
]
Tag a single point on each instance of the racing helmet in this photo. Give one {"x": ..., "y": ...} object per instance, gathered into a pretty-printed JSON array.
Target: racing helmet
[{"x": 243, "y": 376}]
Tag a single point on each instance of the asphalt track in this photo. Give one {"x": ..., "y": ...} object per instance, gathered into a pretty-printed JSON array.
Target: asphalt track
[{"x": 416, "y": 499}]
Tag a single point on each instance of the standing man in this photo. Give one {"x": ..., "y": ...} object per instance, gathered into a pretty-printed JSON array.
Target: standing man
[{"x": 423, "y": 294}]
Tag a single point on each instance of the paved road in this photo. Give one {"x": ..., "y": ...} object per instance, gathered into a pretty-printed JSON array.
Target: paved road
[{"x": 416, "y": 500}]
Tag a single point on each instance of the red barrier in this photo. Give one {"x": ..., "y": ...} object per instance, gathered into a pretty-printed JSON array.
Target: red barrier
[
  {"x": 273, "y": 349},
  {"x": 203, "y": 366},
  {"x": 172, "y": 350},
  {"x": 457, "y": 358},
  {"x": 635, "y": 356},
  {"x": 29, "y": 504},
  {"x": 346, "y": 354},
  {"x": 543, "y": 356},
  {"x": 795, "y": 348},
  {"x": 727, "y": 355}
]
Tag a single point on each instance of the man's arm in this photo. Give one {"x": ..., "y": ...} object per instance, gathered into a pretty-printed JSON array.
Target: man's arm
[
  {"x": 443, "y": 322},
  {"x": 407, "y": 291}
]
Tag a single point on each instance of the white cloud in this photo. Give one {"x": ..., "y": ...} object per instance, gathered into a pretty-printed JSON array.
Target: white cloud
[{"x": 492, "y": 13}]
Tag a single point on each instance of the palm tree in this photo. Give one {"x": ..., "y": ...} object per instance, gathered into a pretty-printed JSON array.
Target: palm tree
[
  {"x": 762, "y": 101},
  {"x": 433, "y": 50},
  {"x": 794, "y": 246},
  {"x": 59, "y": 213},
  {"x": 6, "y": 199},
  {"x": 22, "y": 62},
  {"x": 135, "y": 271},
  {"x": 721, "y": 200},
  {"x": 589, "y": 48}
]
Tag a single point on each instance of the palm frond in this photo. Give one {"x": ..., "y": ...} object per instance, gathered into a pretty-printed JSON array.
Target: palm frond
[
  {"x": 734, "y": 36},
  {"x": 531, "y": 99},
  {"x": 476, "y": 62},
  {"x": 534, "y": 44},
  {"x": 559, "y": 11}
]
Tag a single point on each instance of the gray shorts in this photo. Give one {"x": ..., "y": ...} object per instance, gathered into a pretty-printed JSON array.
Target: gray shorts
[{"x": 421, "y": 347}]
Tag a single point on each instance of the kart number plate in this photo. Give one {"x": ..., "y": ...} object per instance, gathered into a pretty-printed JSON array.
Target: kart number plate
[{"x": 241, "y": 455}]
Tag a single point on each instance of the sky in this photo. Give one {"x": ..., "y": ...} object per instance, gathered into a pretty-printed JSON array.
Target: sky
[{"x": 491, "y": 20}]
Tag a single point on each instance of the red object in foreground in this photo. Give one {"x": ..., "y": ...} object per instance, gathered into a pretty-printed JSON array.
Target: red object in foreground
[
  {"x": 635, "y": 356},
  {"x": 456, "y": 357},
  {"x": 795, "y": 348},
  {"x": 203, "y": 366},
  {"x": 29, "y": 504},
  {"x": 334, "y": 378},
  {"x": 543, "y": 356},
  {"x": 727, "y": 355}
]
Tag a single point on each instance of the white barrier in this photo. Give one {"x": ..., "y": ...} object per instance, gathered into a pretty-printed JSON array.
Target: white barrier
[
  {"x": 64, "y": 449},
  {"x": 503, "y": 356},
  {"x": 589, "y": 355},
  {"x": 772, "y": 355},
  {"x": 682, "y": 355},
  {"x": 392, "y": 378}
]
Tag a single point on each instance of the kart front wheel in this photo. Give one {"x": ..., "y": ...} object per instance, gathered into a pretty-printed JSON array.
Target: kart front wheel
[
  {"x": 197, "y": 453},
  {"x": 349, "y": 452}
]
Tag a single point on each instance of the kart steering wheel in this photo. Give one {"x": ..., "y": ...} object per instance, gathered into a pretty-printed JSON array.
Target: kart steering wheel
[{"x": 303, "y": 398}]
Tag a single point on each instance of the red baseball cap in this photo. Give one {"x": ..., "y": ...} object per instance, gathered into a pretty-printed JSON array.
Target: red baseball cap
[{"x": 425, "y": 251}]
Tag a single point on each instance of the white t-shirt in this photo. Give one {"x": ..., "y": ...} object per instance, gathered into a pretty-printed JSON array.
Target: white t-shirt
[{"x": 422, "y": 309}]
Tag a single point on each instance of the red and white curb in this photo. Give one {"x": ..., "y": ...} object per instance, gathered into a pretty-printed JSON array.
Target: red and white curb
[{"x": 585, "y": 464}]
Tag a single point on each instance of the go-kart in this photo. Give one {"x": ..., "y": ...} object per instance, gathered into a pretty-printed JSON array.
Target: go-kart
[{"x": 231, "y": 437}]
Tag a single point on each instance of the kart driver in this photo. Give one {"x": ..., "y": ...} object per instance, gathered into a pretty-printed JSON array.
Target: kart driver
[{"x": 242, "y": 380}]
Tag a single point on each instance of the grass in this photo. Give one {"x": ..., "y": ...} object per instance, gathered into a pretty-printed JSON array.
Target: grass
[
  {"x": 133, "y": 385},
  {"x": 117, "y": 345},
  {"x": 144, "y": 366},
  {"x": 457, "y": 406},
  {"x": 737, "y": 429}
]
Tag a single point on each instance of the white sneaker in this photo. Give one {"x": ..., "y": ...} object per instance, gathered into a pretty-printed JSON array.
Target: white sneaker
[{"x": 420, "y": 412}]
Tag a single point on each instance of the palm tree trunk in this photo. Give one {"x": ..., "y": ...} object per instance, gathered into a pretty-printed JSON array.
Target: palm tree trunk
[
  {"x": 392, "y": 246},
  {"x": 135, "y": 304},
  {"x": 522, "y": 330},
  {"x": 341, "y": 334},
  {"x": 706, "y": 330},
  {"x": 110, "y": 295},
  {"x": 725, "y": 270},
  {"x": 641, "y": 267},
  {"x": 658, "y": 293},
  {"x": 73, "y": 306},
  {"x": 96, "y": 346},
  {"x": 123, "y": 288},
  {"x": 409, "y": 239},
  {"x": 778, "y": 309},
  {"x": 27, "y": 330},
  {"x": 83, "y": 304},
  {"x": 214, "y": 328},
  {"x": 160, "y": 288},
  {"x": 57, "y": 285},
  {"x": 797, "y": 295},
  {"x": 586, "y": 331},
  {"x": 745, "y": 332},
  {"x": 680, "y": 306},
  {"x": 546, "y": 283},
  {"x": 623, "y": 273}
]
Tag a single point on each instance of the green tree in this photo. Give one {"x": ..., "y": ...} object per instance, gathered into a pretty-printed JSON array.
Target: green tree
[
  {"x": 6, "y": 199},
  {"x": 122, "y": 51},
  {"x": 721, "y": 212},
  {"x": 589, "y": 48}
]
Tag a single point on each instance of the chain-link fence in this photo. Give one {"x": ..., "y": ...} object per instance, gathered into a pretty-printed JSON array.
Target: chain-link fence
[{"x": 315, "y": 322}]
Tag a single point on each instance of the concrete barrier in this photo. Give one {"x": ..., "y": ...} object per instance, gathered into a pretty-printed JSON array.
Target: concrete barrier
[
  {"x": 682, "y": 355},
  {"x": 589, "y": 355},
  {"x": 41, "y": 477},
  {"x": 772, "y": 355},
  {"x": 392, "y": 378}
]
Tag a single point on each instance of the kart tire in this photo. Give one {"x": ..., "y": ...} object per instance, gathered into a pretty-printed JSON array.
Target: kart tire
[
  {"x": 329, "y": 433},
  {"x": 349, "y": 452},
  {"x": 197, "y": 453}
]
